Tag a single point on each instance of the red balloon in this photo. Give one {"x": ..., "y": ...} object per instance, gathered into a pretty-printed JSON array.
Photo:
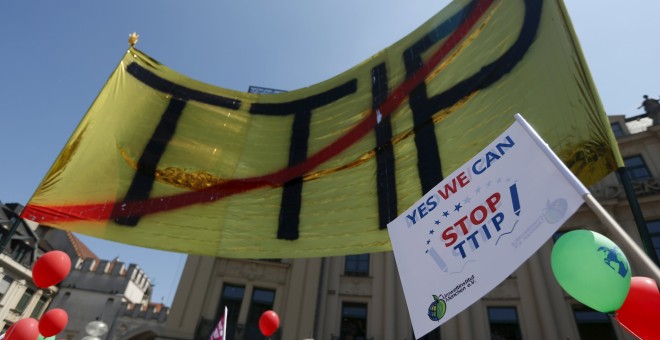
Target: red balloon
[
  {"x": 23, "y": 329},
  {"x": 9, "y": 330},
  {"x": 51, "y": 268},
  {"x": 53, "y": 322},
  {"x": 269, "y": 322},
  {"x": 640, "y": 312}
]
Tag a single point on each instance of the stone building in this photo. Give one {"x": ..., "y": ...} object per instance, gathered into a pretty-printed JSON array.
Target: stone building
[
  {"x": 111, "y": 292},
  {"x": 139, "y": 322},
  {"x": 19, "y": 297},
  {"x": 95, "y": 289},
  {"x": 360, "y": 296}
]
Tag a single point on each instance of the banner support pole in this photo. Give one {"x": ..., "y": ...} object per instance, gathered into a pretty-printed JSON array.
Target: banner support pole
[
  {"x": 636, "y": 210},
  {"x": 628, "y": 243},
  {"x": 605, "y": 218}
]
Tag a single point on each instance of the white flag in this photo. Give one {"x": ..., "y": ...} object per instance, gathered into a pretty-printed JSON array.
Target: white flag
[
  {"x": 471, "y": 231},
  {"x": 221, "y": 328}
]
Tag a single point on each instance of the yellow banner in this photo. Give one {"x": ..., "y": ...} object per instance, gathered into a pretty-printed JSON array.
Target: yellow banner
[{"x": 163, "y": 161}]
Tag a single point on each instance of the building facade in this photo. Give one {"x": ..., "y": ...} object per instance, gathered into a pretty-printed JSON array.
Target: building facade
[
  {"x": 111, "y": 292},
  {"x": 19, "y": 297},
  {"x": 360, "y": 296},
  {"x": 94, "y": 290}
]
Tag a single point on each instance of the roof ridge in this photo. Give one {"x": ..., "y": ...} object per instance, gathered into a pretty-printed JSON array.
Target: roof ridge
[{"x": 80, "y": 248}]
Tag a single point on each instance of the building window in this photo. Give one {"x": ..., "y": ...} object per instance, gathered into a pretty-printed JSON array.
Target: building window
[
  {"x": 353, "y": 321},
  {"x": 24, "y": 301},
  {"x": 262, "y": 300},
  {"x": 36, "y": 312},
  {"x": 637, "y": 169},
  {"x": 357, "y": 265},
  {"x": 654, "y": 232},
  {"x": 5, "y": 226},
  {"x": 232, "y": 297},
  {"x": 593, "y": 324},
  {"x": 504, "y": 323},
  {"x": 4, "y": 286},
  {"x": 271, "y": 260},
  {"x": 19, "y": 253},
  {"x": 618, "y": 131}
]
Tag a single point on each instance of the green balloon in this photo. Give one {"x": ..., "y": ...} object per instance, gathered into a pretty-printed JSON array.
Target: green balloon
[{"x": 592, "y": 269}]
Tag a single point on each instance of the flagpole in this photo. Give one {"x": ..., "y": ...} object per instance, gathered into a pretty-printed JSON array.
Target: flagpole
[
  {"x": 637, "y": 213},
  {"x": 600, "y": 212},
  {"x": 628, "y": 242}
]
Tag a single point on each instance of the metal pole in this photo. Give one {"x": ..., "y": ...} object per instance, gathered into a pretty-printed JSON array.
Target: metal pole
[
  {"x": 602, "y": 214},
  {"x": 628, "y": 242},
  {"x": 622, "y": 173}
]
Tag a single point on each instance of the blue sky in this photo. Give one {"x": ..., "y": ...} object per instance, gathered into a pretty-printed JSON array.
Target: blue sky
[{"x": 56, "y": 56}]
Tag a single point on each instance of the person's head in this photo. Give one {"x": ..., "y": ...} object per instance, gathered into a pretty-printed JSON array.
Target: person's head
[{"x": 646, "y": 97}]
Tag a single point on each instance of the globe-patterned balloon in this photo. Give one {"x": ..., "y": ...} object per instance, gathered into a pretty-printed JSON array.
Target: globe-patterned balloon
[{"x": 592, "y": 269}]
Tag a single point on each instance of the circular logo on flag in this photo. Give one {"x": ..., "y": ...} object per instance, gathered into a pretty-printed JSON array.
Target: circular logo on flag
[{"x": 437, "y": 308}]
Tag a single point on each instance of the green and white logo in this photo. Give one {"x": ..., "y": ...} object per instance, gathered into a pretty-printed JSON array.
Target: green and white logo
[{"x": 437, "y": 308}]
